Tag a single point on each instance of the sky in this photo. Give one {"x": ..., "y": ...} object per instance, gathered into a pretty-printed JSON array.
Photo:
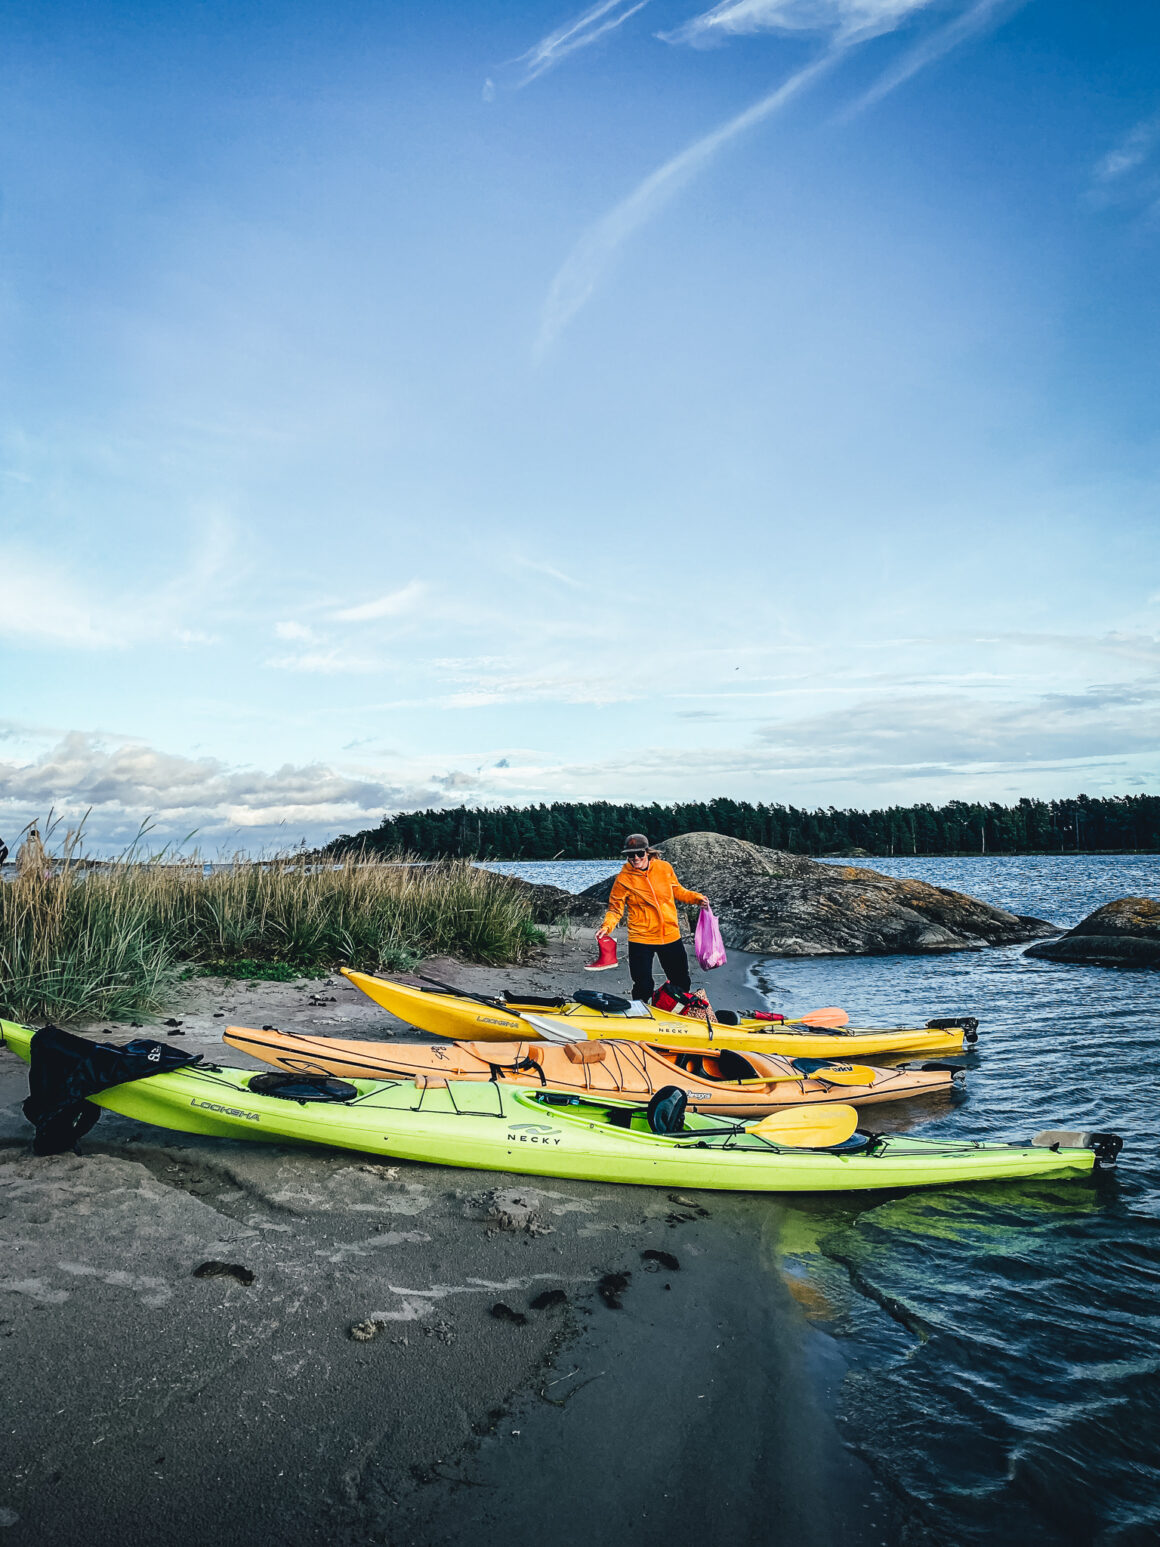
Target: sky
[{"x": 408, "y": 406}]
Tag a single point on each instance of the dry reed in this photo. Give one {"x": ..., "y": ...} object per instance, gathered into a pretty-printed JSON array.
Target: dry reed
[{"x": 80, "y": 941}]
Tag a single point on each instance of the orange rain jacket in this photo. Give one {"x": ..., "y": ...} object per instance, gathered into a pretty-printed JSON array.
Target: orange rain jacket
[{"x": 652, "y": 897}]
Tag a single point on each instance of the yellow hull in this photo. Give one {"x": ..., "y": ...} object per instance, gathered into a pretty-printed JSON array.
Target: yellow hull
[{"x": 463, "y": 1019}]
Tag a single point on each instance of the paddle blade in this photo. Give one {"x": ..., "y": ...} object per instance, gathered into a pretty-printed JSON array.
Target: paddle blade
[
  {"x": 830, "y": 1017},
  {"x": 807, "y": 1127},
  {"x": 845, "y": 1074},
  {"x": 551, "y": 1029}
]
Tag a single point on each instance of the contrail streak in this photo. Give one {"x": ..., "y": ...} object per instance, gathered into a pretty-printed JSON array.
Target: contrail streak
[
  {"x": 928, "y": 50},
  {"x": 578, "y": 277},
  {"x": 576, "y": 34}
]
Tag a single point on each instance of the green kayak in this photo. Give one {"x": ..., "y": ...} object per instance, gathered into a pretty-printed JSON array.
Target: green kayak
[{"x": 543, "y": 1132}]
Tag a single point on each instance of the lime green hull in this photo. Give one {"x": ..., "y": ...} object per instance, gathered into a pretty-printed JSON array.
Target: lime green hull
[{"x": 489, "y": 1127}]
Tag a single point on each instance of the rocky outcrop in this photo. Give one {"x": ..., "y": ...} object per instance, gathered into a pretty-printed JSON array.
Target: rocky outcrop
[
  {"x": 781, "y": 904},
  {"x": 1125, "y": 933},
  {"x": 548, "y": 903}
]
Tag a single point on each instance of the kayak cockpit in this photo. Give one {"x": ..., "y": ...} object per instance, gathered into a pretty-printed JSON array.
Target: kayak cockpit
[{"x": 692, "y": 1130}]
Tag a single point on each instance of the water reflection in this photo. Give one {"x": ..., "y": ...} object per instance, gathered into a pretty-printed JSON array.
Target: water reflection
[{"x": 1004, "y": 1339}]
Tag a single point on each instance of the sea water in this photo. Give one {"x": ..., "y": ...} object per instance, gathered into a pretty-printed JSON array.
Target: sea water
[{"x": 1002, "y": 1341}]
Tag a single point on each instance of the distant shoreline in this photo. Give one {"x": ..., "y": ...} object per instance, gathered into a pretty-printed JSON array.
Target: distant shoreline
[{"x": 9, "y": 871}]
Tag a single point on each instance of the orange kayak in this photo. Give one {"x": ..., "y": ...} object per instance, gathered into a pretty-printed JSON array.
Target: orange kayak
[{"x": 724, "y": 1082}]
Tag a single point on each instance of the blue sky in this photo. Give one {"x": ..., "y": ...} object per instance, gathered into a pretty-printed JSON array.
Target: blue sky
[{"x": 643, "y": 401}]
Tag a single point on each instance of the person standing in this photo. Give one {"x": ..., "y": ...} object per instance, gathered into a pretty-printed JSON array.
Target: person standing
[{"x": 648, "y": 886}]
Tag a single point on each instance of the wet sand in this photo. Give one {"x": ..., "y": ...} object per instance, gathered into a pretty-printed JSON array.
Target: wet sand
[{"x": 657, "y": 1399}]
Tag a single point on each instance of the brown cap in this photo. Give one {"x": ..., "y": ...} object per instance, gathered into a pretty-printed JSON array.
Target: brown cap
[{"x": 636, "y": 843}]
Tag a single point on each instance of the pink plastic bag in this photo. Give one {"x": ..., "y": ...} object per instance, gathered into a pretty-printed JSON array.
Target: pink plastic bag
[{"x": 707, "y": 941}]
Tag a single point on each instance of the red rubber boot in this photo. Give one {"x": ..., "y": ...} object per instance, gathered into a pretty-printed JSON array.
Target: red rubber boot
[{"x": 606, "y": 958}]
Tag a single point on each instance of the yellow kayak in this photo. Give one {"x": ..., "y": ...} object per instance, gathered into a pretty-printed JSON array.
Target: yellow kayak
[{"x": 464, "y": 1017}]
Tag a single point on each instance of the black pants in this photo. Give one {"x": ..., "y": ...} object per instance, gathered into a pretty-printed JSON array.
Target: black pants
[{"x": 674, "y": 960}]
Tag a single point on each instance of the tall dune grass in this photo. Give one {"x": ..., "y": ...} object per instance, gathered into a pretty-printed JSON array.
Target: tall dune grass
[{"x": 80, "y": 942}]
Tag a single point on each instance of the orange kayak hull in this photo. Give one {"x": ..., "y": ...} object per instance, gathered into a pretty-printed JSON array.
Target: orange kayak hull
[{"x": 758, "y": 1083}]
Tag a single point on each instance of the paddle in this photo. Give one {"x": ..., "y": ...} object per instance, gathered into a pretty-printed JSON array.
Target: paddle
[
  {"x": 844, "y": 1074},
  {"x": 836, "y": 1074},
  {"x": 559, "y": 1031},
  {"x": 807, "y": 1127},
  {"x": 551, "y": 1029},
  {"x": 830, "y": 1017},
  {"x": 463, "y": 993}
]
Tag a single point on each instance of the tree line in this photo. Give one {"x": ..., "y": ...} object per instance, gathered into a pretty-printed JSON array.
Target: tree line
[{"x": 596, "y": 829}]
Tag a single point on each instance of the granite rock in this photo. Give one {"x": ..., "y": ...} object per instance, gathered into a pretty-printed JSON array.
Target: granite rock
[
  {"x": 779, "y": 904},
  {"x": 1124, "y": 933}
]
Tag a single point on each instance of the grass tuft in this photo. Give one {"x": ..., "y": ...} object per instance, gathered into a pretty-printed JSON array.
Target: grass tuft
[{"x": 85, "y": 940}]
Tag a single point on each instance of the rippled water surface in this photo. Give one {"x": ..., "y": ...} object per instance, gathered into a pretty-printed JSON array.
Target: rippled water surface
[
  {"x": 1003, "y": 1341},
  {"x": 571, "y": 874}
]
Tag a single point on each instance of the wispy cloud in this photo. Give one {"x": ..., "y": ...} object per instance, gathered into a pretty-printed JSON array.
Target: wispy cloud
[
  {"x": 327, "y": 661},
  {"x": 484, "y": 680},
  {"x": 393, "y": 605},
  {"x": 44, "y": 605},
  {"x": 1128, "y": 176},
  {"x": 975, "y": 19},
  {"x": 586, "y": 264},
  {"x": 848, "y": 20},
  {"x": 1133, "y": 150},
  {"x": 552, "y": 573},
  {"x": 951, "y": 730},
  {"x": 300, "y": 632},
  {"x": 843, "y": 23},
  {"x": 581, "y": 32}
]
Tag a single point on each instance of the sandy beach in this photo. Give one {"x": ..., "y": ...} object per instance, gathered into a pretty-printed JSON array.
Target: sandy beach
[{"x": 399, "y": 1353}]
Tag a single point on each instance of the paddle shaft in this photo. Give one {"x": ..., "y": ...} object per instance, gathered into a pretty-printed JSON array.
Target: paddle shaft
[
  {"x": 462, "y": 993},
  {"x": 863, "y": 1072}
]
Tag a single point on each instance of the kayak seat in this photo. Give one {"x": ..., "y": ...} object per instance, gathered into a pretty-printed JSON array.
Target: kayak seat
[
  {"x": 666, "y": 1110},
  {"x": 734, "y": 1066},
  {"x": 856, "y": 1141}
]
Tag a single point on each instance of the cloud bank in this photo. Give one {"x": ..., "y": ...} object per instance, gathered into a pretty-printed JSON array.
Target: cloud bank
[
  {"x": 131, "y": 783},
  {"x": 887, "y": 745}
]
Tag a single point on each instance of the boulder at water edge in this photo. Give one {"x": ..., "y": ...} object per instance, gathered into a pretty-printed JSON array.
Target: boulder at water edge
[
  {"x": 780, "y": 904},
  {"x": 1125, "y": 933}
]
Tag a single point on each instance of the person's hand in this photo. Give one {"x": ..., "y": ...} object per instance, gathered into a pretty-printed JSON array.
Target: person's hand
[{"x": 602, "y": 934}]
